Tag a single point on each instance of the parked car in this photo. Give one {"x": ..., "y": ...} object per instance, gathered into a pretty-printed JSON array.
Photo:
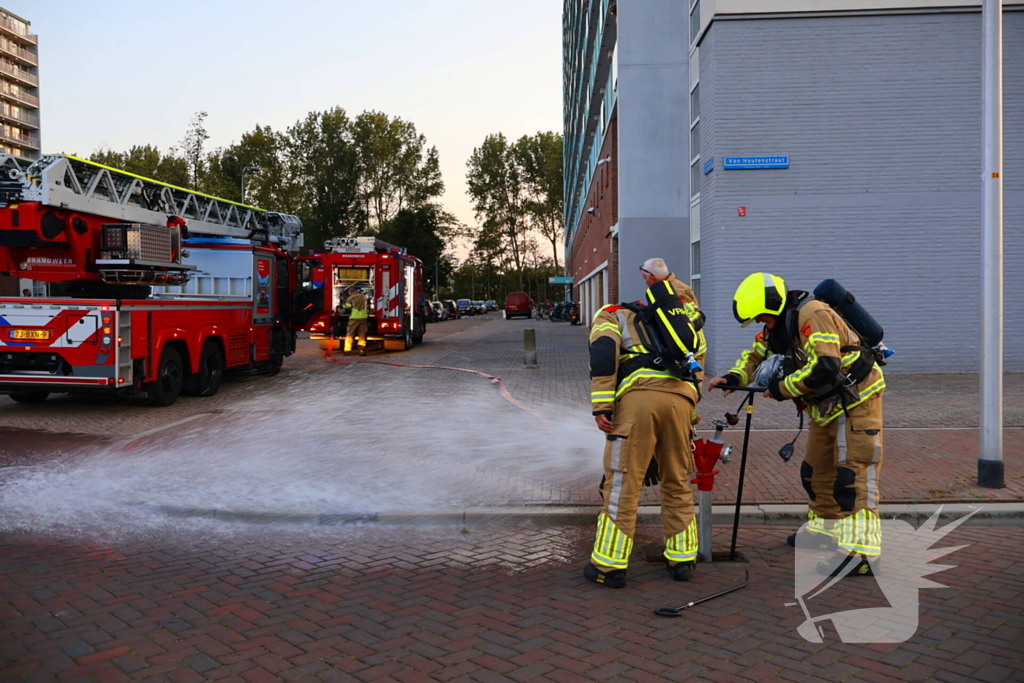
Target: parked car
[
  {"x": 465, "y": 306},
  {"x": 439, "y": 311},
  {"x": 452, "y": 309},
  {"x": 492, "y": 305},
  {"x": 517, "y": 304},
  {"x": 480, "y": 307}
]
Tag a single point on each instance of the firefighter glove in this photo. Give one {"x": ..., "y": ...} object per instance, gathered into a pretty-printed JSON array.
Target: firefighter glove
[{"x": 653, "y": 476}]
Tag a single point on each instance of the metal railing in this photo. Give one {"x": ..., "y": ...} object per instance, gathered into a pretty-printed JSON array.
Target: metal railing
[
  {"x": 16, "y": 28},
  {"x": 22, "y": 116},
  {"x": 25, "y": 139},
  {"x": 12, "y": 48},
  {"x": 12, "y": 70},
  {"x": 6, "y": 89}
]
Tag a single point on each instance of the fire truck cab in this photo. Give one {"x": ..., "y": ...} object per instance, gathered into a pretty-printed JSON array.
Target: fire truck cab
[{"x": 391, "y": 280}]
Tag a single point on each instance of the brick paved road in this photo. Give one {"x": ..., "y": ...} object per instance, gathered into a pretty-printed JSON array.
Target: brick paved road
[{"x": 363, "y": 604}]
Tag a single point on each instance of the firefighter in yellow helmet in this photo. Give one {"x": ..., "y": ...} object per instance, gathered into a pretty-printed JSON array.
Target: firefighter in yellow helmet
[
  {"x": 835, "y": 379},
  {"x": 357, "y": 307},
  {"x": 647, "y": 415}
]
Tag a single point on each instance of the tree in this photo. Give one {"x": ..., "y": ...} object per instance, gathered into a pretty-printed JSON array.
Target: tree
[
  {"x": 396, "y": 170},
  {"x": 192, "y": 148},
  {"x": 541, "y": 158},
  {"x": 322, "y": 162},
  {"x": 499, "y": 192},
  {"x": 146, "y": 161}
]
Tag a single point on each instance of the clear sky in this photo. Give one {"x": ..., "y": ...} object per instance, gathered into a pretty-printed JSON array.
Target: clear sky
[{"x": 117, "y": 72}]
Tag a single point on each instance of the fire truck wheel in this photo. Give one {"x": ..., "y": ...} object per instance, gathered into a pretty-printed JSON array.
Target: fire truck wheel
[
  {"x": 170, "y": 377},
  {"x": 29, "y": 396},
  {"x": 271, "y": 367},
  {"x": 207, "y": 381}
]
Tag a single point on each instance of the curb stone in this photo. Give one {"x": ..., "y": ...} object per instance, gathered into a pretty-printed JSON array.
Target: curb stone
[{"x": 991, "y": 514}]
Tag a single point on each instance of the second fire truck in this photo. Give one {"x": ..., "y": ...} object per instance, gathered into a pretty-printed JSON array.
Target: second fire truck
[{"x": 391, "y": 279}]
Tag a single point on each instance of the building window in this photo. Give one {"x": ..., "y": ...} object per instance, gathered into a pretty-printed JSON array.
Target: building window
[
  {"x": 695, "y": 140},
  {"x": 695, "y": 286},
  {"x": 694, "y": 21},
  {"x": 695, "y": 103},
  {"x": 695, "y": 178},
  {"x": 695, "y": 258}
]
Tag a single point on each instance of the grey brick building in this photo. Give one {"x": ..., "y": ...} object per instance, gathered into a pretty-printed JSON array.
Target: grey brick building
[{"x": 877, "y": 107}]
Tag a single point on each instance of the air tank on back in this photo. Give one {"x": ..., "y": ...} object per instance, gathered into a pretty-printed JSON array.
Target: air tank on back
[{"x": 846, "y": 305}]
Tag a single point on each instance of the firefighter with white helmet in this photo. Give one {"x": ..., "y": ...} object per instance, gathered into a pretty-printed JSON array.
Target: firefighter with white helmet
[
  {"x": 839, "y": 384},
  {"x": 647, "y": 414}
]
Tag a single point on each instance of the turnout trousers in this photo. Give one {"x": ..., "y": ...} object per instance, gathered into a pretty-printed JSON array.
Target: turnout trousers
[
  {"x": 648, "y": 423},
  {"x": 841, "y": 473},
  {"x": 356, "y": 328}
]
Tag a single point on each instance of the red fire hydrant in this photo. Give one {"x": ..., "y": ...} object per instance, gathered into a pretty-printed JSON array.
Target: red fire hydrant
[{"x": 706, "y": 455}]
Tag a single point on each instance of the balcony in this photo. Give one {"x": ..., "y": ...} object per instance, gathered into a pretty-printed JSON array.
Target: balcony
[
  {"x": 9, "y": 47},
  {"x": 20, "y": 117},
  {"x": 10, "y": 27},
  {"x": 18, "y": 95},
  {"x": 20, "y": 74},
  {"x": 20, "y": 139}
]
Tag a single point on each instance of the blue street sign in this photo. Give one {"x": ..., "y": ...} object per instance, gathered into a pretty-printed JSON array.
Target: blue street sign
[
  {"x": 709, "y": 165},
  {"x": 738, "y": 163},
  {"x": 560, "y": 280}
]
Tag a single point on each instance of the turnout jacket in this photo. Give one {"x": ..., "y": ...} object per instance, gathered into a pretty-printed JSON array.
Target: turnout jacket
[
  {"x": 356, "y": 304},
  {"x": 614, "y": 340},
  {"x": 820, "y": 337}
]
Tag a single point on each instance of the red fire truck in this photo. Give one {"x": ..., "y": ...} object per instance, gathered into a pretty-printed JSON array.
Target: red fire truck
[
  {"x": 164, "y": 288},
  {"x": 391, "y": 279}
]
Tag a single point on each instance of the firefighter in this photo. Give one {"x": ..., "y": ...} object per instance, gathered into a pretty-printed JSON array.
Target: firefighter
[
  {"x": 357, "y": 315},
  {"x": 646, "y": 413},
  {"x": 839, "y": 386}
]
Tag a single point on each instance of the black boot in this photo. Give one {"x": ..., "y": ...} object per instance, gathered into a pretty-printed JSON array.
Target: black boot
[
  {"x": 616, "y": 578},
  {"x": 838, "y": 563},
  {"x": 681, "y": 571},
  {"x": 811, "y": 540}
]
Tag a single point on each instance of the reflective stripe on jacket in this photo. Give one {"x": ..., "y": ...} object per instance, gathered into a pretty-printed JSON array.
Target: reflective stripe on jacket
[{"x": 821, "y": 333}]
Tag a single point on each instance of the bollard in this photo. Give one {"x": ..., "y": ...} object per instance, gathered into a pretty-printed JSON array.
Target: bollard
[{"x": 530, "y": 348}]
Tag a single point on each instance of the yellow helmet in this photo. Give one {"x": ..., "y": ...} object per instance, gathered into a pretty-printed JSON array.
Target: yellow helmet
[{"x": 758, "y": 294}]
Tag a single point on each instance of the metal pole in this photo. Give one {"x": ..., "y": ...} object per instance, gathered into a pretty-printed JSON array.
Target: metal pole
[
  {"x": 990, "y": 452},
  {"x": 530, "y": 348},
  {"x": 243, "y": 186},
  {"x": 743, "y": 473},
  {"x": 704, "y": 525}
]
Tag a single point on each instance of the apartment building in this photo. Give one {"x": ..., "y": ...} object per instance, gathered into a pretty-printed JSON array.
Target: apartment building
[
  {"x": 810, "y": 138},
  {"x": 19, "y": 87}
]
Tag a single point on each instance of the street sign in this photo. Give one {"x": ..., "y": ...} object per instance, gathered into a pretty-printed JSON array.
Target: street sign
[
  {"x": 709, "y": 165},
  {"x": 746, "y": 163},
  {"x": 560, "y": 280}
]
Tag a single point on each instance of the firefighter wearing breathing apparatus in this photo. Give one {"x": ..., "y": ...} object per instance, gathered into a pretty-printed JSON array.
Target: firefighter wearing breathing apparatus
[
  {"x": 645, "y": 378},
  {"x": 357, "y": 319},
  {"x": 830, "y": 373}
]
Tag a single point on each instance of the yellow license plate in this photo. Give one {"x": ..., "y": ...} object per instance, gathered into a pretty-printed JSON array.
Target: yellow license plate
[{"x": 30, "y": 334}]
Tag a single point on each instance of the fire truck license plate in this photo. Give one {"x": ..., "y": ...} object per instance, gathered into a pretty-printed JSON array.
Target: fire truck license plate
[{"x": 30, "y": 334}]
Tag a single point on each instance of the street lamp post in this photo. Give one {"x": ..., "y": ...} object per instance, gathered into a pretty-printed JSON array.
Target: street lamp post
[
  {"x": 231, "y": 157},
  {"x": 990, "y": 456}
]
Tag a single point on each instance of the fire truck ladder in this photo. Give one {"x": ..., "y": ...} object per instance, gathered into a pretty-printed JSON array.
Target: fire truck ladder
[{"x": 80, "y": 185}]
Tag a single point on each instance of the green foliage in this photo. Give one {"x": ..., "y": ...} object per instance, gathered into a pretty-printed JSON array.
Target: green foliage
[
  {"x": 322, "y": 161},
  {"x": 516, "y": 190},
  {"x": 341, "y": 176},
  {"x": 395, "y": 168}
]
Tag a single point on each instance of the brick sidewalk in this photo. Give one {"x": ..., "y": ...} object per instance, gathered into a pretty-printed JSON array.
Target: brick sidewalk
[{"x": 364, "y": 604}]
